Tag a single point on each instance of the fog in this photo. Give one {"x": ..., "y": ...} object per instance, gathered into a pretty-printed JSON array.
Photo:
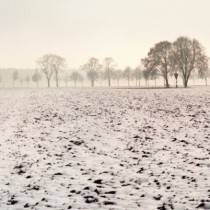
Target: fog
[{"x": 78, "y": 30}]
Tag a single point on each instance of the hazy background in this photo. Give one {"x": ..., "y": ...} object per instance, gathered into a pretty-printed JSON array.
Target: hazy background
[{"x": 80, "y": 29}]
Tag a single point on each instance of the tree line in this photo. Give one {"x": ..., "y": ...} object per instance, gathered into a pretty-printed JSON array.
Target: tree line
[
  {"x": 37, "y": 77},
  {"x": 184, "y": 58}
]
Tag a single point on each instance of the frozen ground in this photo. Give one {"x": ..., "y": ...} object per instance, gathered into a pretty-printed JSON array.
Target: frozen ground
[{"x": 105, "y": 149}]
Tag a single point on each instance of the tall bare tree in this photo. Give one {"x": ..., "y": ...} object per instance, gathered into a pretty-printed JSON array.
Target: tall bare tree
[
  {"x": 58, "y": 64},
  {"x": 159, "y": 60},
  {"x": 44, "y": 64},
  {"x": 50, "y": 64},
  {"x": 188, "y": 56},
  {"x": 92, "y": 68},
  {"x": 108, "y": 69}
]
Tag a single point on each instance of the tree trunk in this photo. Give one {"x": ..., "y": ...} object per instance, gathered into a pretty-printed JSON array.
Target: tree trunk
[
  {"x": 185, "y": 83},
  {"x": 167, "y": 84}
]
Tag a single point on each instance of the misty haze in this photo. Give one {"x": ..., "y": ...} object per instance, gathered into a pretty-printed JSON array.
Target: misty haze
[{"x": 104, "y": 105}]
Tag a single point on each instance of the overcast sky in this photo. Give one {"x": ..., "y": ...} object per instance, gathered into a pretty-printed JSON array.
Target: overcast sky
[{"x": 80, "y": 29}]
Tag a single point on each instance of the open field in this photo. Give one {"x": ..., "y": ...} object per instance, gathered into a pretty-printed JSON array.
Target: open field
[{"x": 105, "y": 149}]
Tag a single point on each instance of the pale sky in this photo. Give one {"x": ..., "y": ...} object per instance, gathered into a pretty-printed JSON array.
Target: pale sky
[{"x": 80, "y": 29}]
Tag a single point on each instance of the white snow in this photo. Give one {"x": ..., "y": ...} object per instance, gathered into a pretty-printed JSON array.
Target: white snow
[{"x": 105, "y": 149}]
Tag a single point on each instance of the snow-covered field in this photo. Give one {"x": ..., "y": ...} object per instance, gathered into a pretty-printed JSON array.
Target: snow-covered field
[{"x": 103, "y": 149}]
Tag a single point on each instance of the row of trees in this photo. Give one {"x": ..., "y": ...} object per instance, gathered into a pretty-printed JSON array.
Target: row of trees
[
  {"x": 132, "y": 76},
  {"x": 94, "y": 70},
  {"x": 185, "y": 57},
  {"x": 53, "y": 65},
  {"x": 37, "y": 77}
]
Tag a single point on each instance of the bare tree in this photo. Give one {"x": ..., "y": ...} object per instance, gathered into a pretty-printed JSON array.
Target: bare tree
[
  {"x": 159, "y": 60},
  {"x": 188, "y": 56},
  {"x": 118, "y": 74},
  {"x": 44, "y": 63},
  {"x": 108, "y": 69},
  {"x": 36, "y": 77},
  {"x": 27, "y": 79},
  {"x": 15, "y": 77},
  {"x": 66, "y": 79},
  {"x": 92, "y": 69},
  {"x": 50, "y": 64},
  {"x": 75, "y": 76},
  {"x": 58, "y": 64},
  {"x": 128, "y": 74}
]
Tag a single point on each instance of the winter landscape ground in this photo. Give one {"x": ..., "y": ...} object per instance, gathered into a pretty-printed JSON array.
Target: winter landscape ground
[{"x": 115, "y": 149}]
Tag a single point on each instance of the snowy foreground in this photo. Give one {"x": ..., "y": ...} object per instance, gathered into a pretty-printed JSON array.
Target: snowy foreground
[{"x": 105, "y": 149}]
